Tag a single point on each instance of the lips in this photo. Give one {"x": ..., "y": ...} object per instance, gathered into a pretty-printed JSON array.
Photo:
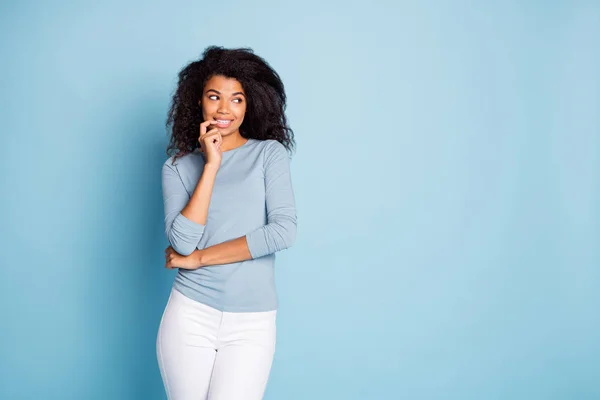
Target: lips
[{"x": 223, "y": 123}]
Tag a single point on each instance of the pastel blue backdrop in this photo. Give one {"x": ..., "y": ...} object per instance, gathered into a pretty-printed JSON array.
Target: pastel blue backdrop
[{"x": 446, "y": 175}]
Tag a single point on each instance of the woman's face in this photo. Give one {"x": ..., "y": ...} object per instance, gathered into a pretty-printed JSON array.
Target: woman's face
[{"x": 224, "y": 100}]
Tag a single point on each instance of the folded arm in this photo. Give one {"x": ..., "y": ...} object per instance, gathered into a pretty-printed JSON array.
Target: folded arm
[
  {"x": 280, "y": 231},
  {"x": 185, "y": 215}
]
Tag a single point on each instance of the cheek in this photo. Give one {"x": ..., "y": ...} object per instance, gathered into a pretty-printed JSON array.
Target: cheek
[
  {"x": 241, "y": 113},
  {"x": 207, "y": 110}
]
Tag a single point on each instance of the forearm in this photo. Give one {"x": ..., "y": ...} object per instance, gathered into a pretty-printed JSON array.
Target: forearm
[
  {"x": 196, "y": 209},
  {"x": 224, "y": 253}
]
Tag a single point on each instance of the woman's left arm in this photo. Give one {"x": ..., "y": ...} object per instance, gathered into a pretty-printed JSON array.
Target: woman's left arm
[{"x": 278, "y": 234}]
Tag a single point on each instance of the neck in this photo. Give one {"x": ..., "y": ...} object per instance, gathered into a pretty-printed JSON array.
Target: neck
[{"x": 232, "y": 141}]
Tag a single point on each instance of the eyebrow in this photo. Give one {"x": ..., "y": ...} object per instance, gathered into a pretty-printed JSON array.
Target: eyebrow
[{"x": 217, "y": 92}]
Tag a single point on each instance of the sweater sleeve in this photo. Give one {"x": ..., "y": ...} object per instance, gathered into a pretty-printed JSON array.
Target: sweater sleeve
[
  {"x": 280, "y": 231},
  {"x": 183, "y": 234}
]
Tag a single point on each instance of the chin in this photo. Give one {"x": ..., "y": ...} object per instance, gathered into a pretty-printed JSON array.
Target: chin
[{"x": 229, "y": 131}]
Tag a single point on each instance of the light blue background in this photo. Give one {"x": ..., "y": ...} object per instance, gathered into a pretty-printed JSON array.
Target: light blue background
[{"x": 447, "y": 184}]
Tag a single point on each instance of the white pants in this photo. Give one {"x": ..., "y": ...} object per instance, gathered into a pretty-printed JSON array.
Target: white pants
[{"x": 207, "y": 354}]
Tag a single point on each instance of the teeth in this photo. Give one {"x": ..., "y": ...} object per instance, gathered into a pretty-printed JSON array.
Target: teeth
[{"x": 222, "y": 121}]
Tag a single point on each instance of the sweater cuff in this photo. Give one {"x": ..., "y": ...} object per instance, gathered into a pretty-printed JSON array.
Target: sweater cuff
[{"x": 257, "y": 243}]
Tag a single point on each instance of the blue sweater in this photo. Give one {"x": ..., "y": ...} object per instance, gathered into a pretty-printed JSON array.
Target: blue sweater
[{"x": 253, "y": 197}]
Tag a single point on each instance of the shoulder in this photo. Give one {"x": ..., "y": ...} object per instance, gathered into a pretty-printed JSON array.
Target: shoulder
[
  {"x": 185, "y": 162},
  {"x": 272, "y": 147},
  {"x": 268, "y": 144},
  {"x": 274, "y": 155}
]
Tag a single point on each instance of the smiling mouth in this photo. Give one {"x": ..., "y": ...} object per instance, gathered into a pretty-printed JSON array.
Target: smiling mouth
[{"x": 223, "y": 123}]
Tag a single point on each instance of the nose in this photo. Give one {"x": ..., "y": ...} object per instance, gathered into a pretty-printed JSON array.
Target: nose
[{"x": 223, "y": 107}]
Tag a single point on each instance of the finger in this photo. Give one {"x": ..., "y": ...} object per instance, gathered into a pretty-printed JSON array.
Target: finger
[
  {"x": 204, "y": 126},
  {"x": 212, "y": 132},
  {"x": 216, "y": 140},
  {"x": 213, "y": 139},
  {"x": 219, "y": 139}
]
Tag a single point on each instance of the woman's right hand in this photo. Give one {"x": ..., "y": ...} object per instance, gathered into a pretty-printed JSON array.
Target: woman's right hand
[{"x": 210, "y": 143}]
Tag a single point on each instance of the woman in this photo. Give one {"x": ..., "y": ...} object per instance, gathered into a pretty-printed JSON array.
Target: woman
[{"x": 229, "y": 207}]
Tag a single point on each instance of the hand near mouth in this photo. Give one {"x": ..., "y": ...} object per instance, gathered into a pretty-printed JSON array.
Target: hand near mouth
[{"x": 210, "y": 143}]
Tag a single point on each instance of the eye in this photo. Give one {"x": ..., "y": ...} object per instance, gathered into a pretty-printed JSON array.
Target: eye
[
  {"x": 238, "y": 100},
  {"x": 211, "y": 96}
]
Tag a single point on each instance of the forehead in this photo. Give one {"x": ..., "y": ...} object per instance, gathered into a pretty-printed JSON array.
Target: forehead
[{"x": 224, "y": 84}]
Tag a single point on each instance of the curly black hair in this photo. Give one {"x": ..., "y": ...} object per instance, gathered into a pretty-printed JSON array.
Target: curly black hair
[{"x": 266, "y": 99}]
